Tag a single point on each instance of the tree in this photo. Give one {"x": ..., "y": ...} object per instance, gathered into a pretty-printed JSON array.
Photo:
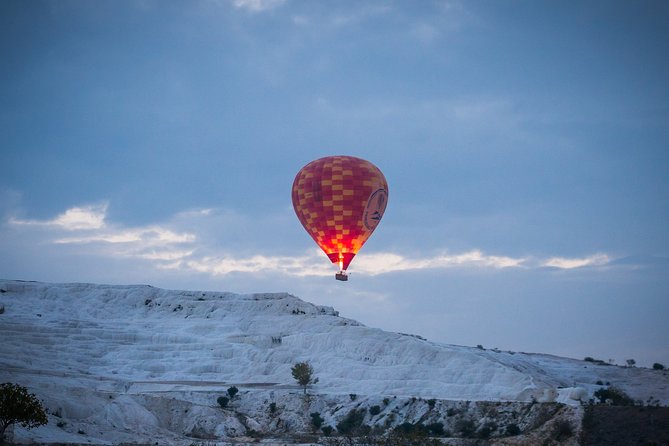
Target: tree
[
  {"x": 658, "y": 366},
  {"x": 19, "y": 406},
  {"x": 303, "y": 373},
  {"x": 232, "y": 391}
]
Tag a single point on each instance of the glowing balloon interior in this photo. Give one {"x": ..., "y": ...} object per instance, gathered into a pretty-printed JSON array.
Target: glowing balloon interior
[{"x": 340, "y": 200}]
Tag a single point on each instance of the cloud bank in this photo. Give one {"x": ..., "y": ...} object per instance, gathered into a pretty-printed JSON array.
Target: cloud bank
[{"x": 164, "y": 246}]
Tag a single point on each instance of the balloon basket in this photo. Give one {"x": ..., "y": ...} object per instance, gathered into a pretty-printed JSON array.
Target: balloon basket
[{"x": 341, "y": 275}]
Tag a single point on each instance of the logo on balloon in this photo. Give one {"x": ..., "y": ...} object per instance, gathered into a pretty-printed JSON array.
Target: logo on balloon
[{"x": 376, "y": 206}]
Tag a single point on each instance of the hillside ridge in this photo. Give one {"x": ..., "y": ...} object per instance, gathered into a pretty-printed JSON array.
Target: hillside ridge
[{"x": 78, "y": 346}]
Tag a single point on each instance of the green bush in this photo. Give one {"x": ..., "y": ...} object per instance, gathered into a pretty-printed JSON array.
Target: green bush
[
  {"x": 223, "y": 401},
  {"x": 352, "y": 422},
  {"x": 375, "y": 410},
  {"x": 617, "y": 396},
  {"x": 272, "y": 407},
  {"x": 327, "y": 430},
  {"x": 316, "y": 420},
  {"x": 232, "y": 391},
  {"x": 431, "y": 403},
  {"x": 658, "y": 366}
]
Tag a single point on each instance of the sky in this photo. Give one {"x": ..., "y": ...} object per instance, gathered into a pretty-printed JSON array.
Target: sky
[{"x": 525, "y": 144}]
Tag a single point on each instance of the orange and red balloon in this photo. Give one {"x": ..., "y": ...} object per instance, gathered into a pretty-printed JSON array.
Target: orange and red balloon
[{"x": 340, "y": 200}]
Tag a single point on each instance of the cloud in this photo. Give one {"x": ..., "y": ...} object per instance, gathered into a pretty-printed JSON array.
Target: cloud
[
  {"x": 425, "y": 33},
  {"x": 257, "y": 5},
  {"x": 382, "y": 263},
  {"x": 87, "y": 225},
  {"x": 571, "y": 263},
  {"x": 305, "y": 265},
  {"x": 151, "y": 235},
  {"x": 358, "y": 14},
  {"x": 314, "y": 263},
  {"x": 77, "y": 218},
  {"x": 211, "y": 244}
]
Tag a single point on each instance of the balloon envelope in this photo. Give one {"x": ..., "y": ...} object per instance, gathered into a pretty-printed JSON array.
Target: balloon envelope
[{"x": 340, "y": 200}]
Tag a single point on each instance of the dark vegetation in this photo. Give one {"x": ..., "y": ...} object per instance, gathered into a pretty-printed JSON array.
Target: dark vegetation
[
  {"x": 352, "y": 423},
  {"x": 303, "y": 373},
  {"x": 232, "y": 391},
  {"x": 614, "y": 396},
  {"x": 316, "y": 420},
  {"x": 605, "y": 425},
  {"x": 18, "y": 406}
]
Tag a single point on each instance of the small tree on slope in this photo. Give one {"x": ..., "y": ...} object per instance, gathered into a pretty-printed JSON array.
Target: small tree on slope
[
  {"x": 19, "y": 406},
  {"x": 303, "y": 373}
]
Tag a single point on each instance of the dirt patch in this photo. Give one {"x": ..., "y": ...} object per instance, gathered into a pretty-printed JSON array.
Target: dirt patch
[{"x": 624, "y": 426}]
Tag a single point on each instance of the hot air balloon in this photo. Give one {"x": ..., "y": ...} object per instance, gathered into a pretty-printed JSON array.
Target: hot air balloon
[{"x": 340, "y": 200}]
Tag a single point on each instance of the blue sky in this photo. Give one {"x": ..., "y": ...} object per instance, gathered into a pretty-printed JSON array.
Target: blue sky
[{"x": 526, "y": 147}]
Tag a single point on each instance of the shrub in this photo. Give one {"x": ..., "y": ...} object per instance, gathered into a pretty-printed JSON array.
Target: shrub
[
  {"x": 512, "y": 429},
  {"x": 353, "y": 396},
  {"x": 316, "y": 420},
  {"x": 223, "y": 401},
  {"x": 486, "y": 430},
  {"x": 630, "y": 362},
  {"x": 352, "y": 421},
  {"x": 327, "y": 430},
  {"x": 375, "y": 410},
  {"x": 232, "y": 391},
  {"x": 19, "y": 406},
  {"x": 562, "y": 429},
  {"x": 431, "y": 403},
  {"x": 589, "y": 359},
  {"x": 407, "y": 429},
  {"x": 436, "y": 428},
  {"x": 617, "y": 396},
  {"x": 658, "y": 366},
  {"x": 465, "y": 427},
  {"x": 386, "y": 401},
  {"x": 272, "y": 407}
]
